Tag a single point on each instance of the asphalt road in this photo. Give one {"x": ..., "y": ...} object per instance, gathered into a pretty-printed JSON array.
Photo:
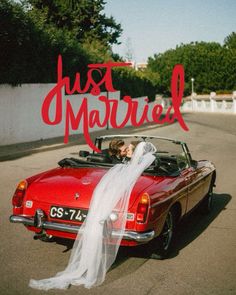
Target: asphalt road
[{"x": 204, "y": 261}]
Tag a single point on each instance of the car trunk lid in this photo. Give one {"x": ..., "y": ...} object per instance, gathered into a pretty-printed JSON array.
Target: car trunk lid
[{"x": 73, "y": 187}]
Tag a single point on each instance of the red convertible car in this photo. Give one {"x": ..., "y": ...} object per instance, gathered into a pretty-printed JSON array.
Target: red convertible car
[{"x": 55, "y": 203}]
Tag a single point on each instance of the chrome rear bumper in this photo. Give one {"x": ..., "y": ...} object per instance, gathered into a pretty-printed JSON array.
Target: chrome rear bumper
[{"x": 39, "y": 222}]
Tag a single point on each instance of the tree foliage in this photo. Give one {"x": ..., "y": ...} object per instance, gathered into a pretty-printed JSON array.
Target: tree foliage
[
  {"x": 230, "y": 41},
  {"x": 83, "y": 19},
  {"x": 210, "y": 64},
  {"x": 132, "y": 83},
  {"x": 29, "y": 54},
  {"x": 35, "y": 32}
]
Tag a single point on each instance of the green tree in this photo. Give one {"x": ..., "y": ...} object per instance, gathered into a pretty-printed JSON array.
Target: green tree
[
  {"x": 29, "y": 54},
  {"x": 30, "y": 45},
  {"x": 84, "y": 19},
  {"x": 210, "y": 64},
  {"x": 230, "y": 41}
]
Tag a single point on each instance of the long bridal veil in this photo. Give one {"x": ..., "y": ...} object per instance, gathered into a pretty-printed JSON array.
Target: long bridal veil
[{"x": 95, "y": 249}]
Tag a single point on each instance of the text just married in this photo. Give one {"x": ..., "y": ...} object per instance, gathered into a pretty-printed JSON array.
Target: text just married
[{"x": 91, "y": 118}]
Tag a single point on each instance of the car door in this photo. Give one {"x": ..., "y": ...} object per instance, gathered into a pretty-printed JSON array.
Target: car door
[{"x": 194, "y": 183}]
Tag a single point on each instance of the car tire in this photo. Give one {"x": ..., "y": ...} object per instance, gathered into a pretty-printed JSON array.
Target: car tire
[
  {"x": 164, "y": 242},
  {"x": 207, "y": 202}
]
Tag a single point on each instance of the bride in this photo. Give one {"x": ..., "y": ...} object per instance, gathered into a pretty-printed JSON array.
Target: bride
[{"x": 94, "y": 249}]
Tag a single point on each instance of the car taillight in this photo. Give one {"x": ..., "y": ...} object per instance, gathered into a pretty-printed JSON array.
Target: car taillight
[
  {"x": 142, "y": 209},
  {"x": 19, "y": 194}
]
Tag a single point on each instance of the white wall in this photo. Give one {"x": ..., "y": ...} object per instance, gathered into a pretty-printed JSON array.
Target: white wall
[
  {"x": 20, "y": 112},
  {"x": 21, "y": 121}
]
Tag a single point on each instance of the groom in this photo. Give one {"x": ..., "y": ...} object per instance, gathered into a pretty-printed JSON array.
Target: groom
[{"x": 117, "y": 150}]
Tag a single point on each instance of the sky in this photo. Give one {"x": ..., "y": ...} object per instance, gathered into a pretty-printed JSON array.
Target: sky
[{"x": 153, "y": 26}]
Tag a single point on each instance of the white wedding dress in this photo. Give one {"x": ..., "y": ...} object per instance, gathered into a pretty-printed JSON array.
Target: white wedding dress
[{"x": 92, "y": 253}]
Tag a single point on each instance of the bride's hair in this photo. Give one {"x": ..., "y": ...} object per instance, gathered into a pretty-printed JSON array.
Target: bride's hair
[{"x": 135, "y": 143}]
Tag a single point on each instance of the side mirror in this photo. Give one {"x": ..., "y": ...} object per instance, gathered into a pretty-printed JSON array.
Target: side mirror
[{"x": 83, "y": 154}]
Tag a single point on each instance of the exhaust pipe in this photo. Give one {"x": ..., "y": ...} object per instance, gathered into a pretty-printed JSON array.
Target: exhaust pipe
[{"x": 40, "y": 235}]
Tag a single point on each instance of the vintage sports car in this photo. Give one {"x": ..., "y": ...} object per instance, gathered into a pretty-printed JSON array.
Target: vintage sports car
[{"x": 55, "y": 203}]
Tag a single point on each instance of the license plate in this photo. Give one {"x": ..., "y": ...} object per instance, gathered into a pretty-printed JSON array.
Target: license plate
[{"x": 73, "y": 214}]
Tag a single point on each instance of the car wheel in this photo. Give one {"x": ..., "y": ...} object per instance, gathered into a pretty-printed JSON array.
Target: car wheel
[
  {"x": 207, "y": 203},
  {"x": 165, "y": 241}
]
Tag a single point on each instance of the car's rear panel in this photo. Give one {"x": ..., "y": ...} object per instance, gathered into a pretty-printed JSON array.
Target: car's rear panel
[{"x": 69, "y": 190}]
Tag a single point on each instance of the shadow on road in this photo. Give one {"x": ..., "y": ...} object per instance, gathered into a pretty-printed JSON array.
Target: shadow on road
[
  {"x": 196, "y": 223},
  {"x": 187, "y": 231}
]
